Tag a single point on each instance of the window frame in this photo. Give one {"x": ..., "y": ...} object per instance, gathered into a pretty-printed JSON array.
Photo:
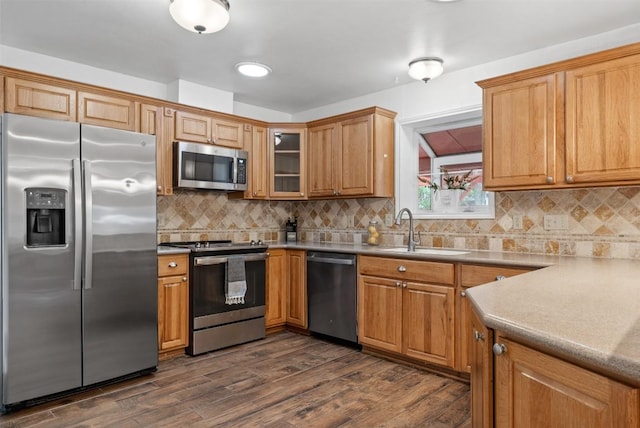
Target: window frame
[{"x": 409, "y": 138}]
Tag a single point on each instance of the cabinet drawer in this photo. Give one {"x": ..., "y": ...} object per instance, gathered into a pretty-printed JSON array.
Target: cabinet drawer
[
  {"x": 415, "y": 270},
  {"x": 471, "y": 275},
  {"x": 173, "y": 264}
]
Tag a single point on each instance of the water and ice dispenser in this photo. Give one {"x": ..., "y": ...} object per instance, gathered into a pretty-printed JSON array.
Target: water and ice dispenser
[{"x": 45, "y": 217}]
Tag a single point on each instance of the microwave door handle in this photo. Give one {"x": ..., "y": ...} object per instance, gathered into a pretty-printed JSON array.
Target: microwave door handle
[{"x": 234, "y": 179}]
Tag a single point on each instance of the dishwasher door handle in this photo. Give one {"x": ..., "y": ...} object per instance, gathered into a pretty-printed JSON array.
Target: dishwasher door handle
[{"x": 348, "y": 262}]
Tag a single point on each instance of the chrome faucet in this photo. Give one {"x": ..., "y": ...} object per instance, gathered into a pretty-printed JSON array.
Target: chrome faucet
[{"x": 411, "y": 244}]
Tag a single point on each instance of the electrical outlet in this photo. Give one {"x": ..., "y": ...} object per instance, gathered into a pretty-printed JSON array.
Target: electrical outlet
[
  {"x": 388, "y": 220},
  {"x": 517, "y": 222},
  {"x": 556, "y": 222},
  {"x": 350, "y": 221}
]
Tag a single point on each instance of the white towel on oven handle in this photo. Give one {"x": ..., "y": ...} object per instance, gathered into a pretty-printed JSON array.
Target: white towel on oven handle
[{"x": 236, "y": 283}]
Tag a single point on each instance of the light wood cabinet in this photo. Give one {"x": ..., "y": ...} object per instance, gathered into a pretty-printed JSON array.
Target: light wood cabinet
[
  {"x": 39, "y": 99},
  {"x": 258, "y": 184},
  {"x": 173, "y": 303},
  {"x": 602, "y": 104},
  {"x": 407, "y": 307},
  {"x": 567, "y": 124},
  {"x": 276, "y": 293},
  {"x": 287, "y": 163},
  {"x": 150, "y": 122},
  {"x": 481, "y": 360},
  {"x": 352, "y": 154},
  {"x": 534, "y": 389},
  {"x": 297, "y": 288},
  {"x": 208, "y": 129},
  {"x": 471, "y": 276},
  {"x": 109, "y": 111}
]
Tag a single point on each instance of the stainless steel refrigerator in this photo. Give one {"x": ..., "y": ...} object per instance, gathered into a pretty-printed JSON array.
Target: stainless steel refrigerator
[{"x": 79, "y": 264}]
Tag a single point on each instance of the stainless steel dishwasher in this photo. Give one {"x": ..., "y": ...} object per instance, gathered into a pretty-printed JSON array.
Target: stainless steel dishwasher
[{"x": 331, "y": 294}]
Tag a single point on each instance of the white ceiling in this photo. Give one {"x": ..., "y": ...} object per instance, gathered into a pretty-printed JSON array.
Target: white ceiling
[{"x": 321, "y": 51}]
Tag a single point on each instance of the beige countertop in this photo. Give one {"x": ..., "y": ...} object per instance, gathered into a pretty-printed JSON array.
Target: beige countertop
[
  {"x": 582, "y": 309},
  {"x": 162, "y": 250}
]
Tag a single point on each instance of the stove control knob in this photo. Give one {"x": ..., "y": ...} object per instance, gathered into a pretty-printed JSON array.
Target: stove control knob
[
  {"x": 260, "y": 242},
  {"x": 197, "y": 245},
  {"x": 252, "y": 243},
  {"x": 206, "y": 244}
]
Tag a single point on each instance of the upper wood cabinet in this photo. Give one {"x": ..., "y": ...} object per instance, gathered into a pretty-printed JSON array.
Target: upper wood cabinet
[
  {"x": 287, "y": 163},
  {"x": 567, "y": 124},
  {"x": 152, "y": 121},
  {"x": 258, "y": 184},
  {"x": 39, "y": 99},
  {"x": 103, "y": 110},
  {"x": 208, "y": 129},
  {"x": 352, "y": 154}
]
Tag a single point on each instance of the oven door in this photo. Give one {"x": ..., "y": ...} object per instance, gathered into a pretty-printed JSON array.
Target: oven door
[{"x": 208, "y": 281}]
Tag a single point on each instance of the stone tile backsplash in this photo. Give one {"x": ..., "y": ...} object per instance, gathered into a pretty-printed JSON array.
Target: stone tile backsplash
[{"x": 603, "y": 222}]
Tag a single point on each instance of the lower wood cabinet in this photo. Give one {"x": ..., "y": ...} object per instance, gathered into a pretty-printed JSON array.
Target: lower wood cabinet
[
  {"x": 407, "y": 307},
  {"x": 173, "y": 303},
  {"x": 481, "y": 362},
  {"x": 471, "y": 276},
  {"x": 297, "y": 288},
  {"x": 276, "y": 293},
  {"x": 534, "y": 389}
]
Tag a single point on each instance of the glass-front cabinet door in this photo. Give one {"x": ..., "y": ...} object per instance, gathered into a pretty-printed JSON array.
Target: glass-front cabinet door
[{"x": 287, "y": 163}]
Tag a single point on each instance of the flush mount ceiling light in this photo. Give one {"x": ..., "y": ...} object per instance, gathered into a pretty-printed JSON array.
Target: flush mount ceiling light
[
  {"x": 425, "y": 68},
  {"x": 200, "y": 16},
  {"x": 253, "y": 69}
]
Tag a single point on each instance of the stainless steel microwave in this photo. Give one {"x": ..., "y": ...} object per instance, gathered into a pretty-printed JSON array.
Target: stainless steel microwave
[{"x": 205, "y": 166}]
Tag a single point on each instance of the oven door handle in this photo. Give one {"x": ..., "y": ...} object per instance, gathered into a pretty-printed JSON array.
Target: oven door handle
[{"x": 217, "y": 260}]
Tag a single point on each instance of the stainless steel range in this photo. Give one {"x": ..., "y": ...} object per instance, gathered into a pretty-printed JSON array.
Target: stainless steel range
[{"x": 227, "y": 293}]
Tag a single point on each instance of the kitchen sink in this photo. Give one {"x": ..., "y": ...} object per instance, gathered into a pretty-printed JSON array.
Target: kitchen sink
[{"x": 434, "y": 251}]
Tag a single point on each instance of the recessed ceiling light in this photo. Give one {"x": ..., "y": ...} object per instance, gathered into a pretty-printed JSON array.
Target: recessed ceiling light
[{"x": 253, "y": 69}]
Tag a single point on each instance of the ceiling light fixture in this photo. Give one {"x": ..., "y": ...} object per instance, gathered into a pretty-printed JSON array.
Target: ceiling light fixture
[
  {"x": 200, "y": 16},
  {"x": 253, "y": 69},
  {"x": 426, "y": 68}
]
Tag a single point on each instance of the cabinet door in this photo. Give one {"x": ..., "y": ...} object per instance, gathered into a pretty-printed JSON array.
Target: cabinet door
[
  {"x": 322, "y": 151},
  {"x": 470, "y": 276},
  {"x": 287, "y": 167},
  {"x": 258, "y": 161},
  {"x": 602, "y": 128},
  {"x": 192, "y": 127},
  {"x": 227, "y": 133},
  {"x": 39, "y": 99},
  {"x": 427, "y": 317},
  {"x": 150, "y": 123},
  {"x": 536, "y": 390},
  {"x": 355, "y": 157},
  {"x": 276, "y": 296},
  {"x": 380, "y": 313},
  {"x": 297, "y": 290},
  {"x": 520, "y": 134},
  {"x": 481, "y": 373},
  {"x": 165, "y": 145},
  {"x": 173, "y": 312},
  {"x": 102, "y": 110}
]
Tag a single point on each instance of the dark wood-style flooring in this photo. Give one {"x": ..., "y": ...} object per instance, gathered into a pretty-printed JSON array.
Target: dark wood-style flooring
[{"x": 286, "y": 380}]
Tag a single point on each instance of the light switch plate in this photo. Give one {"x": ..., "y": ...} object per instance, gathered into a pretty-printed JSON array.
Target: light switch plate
[
  {"x": 388, "y": 220},
  {"x": 517, "y": 222}
]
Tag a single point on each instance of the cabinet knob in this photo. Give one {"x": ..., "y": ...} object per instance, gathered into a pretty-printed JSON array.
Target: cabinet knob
[
  {"x": 477, "y": 336},
  {"x": 549, "y": 180},
  {"x": 184, "y": 279},
  {"x": 402, "y": 268},
  {"x": 463, "y": 293},
  {"x": 301, "y": 193},
  {"x": 398, "y": 283},
  {"x": 499, "y": 348},
  {"x": 173, "y": 264},
  {"x": 268, "y": 254},
  {"x": 500, "y": 277},
  {"x": 208, "y": 140},
  {"x": 404, "y": 285},
  {"x": 569, "y": 179},
  {"x": 159, "y": 188},
  {"x": 255, "y": 193}
]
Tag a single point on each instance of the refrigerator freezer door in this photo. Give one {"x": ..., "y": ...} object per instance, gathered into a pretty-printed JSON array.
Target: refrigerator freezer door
[
  {"x": 40, "y": 308},
  {"x": 120, "y": 306}
]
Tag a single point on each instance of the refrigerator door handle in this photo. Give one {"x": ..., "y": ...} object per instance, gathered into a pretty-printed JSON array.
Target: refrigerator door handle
[
  {"x": 88, "y": 226},
  {"x": 77, "y": 221}
]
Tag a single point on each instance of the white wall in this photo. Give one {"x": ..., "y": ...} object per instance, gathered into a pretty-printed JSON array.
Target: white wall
[
  {"x": 455, "y": 90},
  {"x": 180, "y": 90}
]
